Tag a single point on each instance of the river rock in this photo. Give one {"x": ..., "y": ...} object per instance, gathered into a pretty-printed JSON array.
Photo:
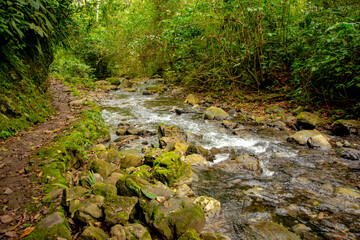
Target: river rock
[
  {"x": 110, "y": 155},
  {"x": 119, "y": 209},
  {"x": 274, "y": 109},
  {"x": 93, "y": 233},
  {"x": 136, "y": 231},
  {"x": 345, "y": 127},
  {"x": 72, "y": 195},
  {"x": 213, "y": 236},
  {"x": 196, "y": 160},
  {"x": 206, "y": 153},
  {"x": 215, "y": 113},
  {"x": 349, "y": 153},
  {"x": 319, "y": 141},
  {"x": 240, "y": 162},
  {"x": 229, "y": 124},
  {"x": 270, "y": 230},
  {"x": 192, "y": 99},
  {"x": 52, "y": 227},
  {"x": 184, "y": 191},
  {"x": 302, "y": 138},
  {"x": 168, "y": 131},
  {"x": 130, "y": 90},
  {"x": 308, "y": 120},
  {"x": 210, "y": 206},
  {"x": 179, "y": 147},
  {"x": 174, "y": 217},
  {"x": 117, "y": 232},
  {"x": 347, "y": 193},
  {"x": 131, "y": 160},
  {"x": 155, "y": 89},
  {"x": 169, "y": 169}
]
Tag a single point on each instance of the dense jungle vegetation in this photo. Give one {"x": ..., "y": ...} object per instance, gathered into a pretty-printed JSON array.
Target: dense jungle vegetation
[{"x": 309, "y": 51}]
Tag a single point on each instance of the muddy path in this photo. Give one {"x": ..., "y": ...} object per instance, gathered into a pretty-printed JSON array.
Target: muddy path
[{"x": 20, "y": 192}]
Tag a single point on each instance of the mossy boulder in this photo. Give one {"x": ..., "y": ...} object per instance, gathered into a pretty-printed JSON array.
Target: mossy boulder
[
  {"x": 131, "y": 160},
  {"x": 190, "y": 234},
  {"x": 52, "y": 227},
  {"x": 88, "y": 213},
  {"x": 72, "y": 195},
  {"x": 274, "y": 110},
  {"x": 174, "y": 217},
  {"x": 104, "y": 189},
  {"x": 113, "y": 80},
  {"x": 150, "y": 157},
  {"x": 113, "y": 178},
  {"x": 179, "y": 148},
  {"x": 343, "y": 127},
  {"x": 102, "y": 167},
  {"x": 215, "y": 113},
  {"x": 111, "y": 156},
  {"x": 117, "y": 232},
  {"x": 136, "y": 231},
  {"x": 93, "y": 233},
  {"x": 143, "y": 171},
  {"x": 229, "y": 124},
  {"x": 169, "y": 169},
  {"x": 192, "y": 99},
  {"x": 308, "y": 120},
  {"x": 119, "y": 209},
  {"x": 347, "y": 193}
]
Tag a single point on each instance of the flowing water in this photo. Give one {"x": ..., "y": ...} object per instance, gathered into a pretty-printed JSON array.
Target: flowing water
[{"x": 298, "y": 188}]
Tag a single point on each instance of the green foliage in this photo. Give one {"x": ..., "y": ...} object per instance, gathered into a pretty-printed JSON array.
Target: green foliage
[{"x": 91, "y": 178}]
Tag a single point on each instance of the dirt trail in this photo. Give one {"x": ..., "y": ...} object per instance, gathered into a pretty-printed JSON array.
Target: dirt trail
[{"x": 19, "y": 189}]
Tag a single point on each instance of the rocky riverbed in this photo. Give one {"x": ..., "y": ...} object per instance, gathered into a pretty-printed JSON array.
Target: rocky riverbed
[{"x": 170, "y": 169}]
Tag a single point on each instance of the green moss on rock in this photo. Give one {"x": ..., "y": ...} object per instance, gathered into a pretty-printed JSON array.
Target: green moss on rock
[{"x": 190, "y": 234}]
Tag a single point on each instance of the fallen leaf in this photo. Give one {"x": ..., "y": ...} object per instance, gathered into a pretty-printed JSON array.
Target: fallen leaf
[
  {"x": 160, "y": 199},
  {"x": 8, "y": 191},
  {"x": 27, "y": 231},
  {"x": 11, "y": 234},
  {"x": 22, "y": 171},
  {"x": 6, "y": 219},
  {"x": 58, "y": 151}
]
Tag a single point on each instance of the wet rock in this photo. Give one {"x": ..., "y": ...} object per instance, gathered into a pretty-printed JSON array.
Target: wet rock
[
  {"x": 52, "y": 227},
  {"x": 300, "y": 229},
  {"x": 131, "y": 160},
  {"x": 308, "y": 120},
  {"x": 346, "y": 127},
  {"x": 213, "y": 236},
  {"x": 104, "y": 189},
  {"x": 93, "y": 233},
  {"x": 270, "y": 230},
  {"x": 316, "y": 139},
  {"x": 348, "y": 153},
  {"x": 130, "y": 90},
  {"x": 229, "y": 124},
  {"x": 168, "y": 131},
  {"x": 240, "y": 162},
  {"x": 210, "y": 206},
  {"x": 155, "y": 89},
  {"x": 319, "y": 141},
  {"x": 169, "y": 169},
  {"x": 214, "y": 113},
  {"x": 179, "y": 148},
  {"x": 119, "y": 209},
  {"x": 184, "y": 191},
  {"x": 192, "y": 99},
  {"x": 148, "y": 92},
  {"x": 99, "y": 147},
  {"x": 101, "y": 167},
  {"x": 190, "y": 234},
  {"x": 136, "y": 231},
  {"x": 174, "y": 217},
  {"x": 117, "y": 232},
  {"x": 134, "y": 131},
  {"x": 206, "y": 153},
  {"x": 347, "y": 193},
  {"x": 196, "y": 160},
  {"x": 274, "y": 109}
]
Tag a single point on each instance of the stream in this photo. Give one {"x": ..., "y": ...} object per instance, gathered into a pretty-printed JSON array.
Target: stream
[{"x": 297, "y": 189}]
